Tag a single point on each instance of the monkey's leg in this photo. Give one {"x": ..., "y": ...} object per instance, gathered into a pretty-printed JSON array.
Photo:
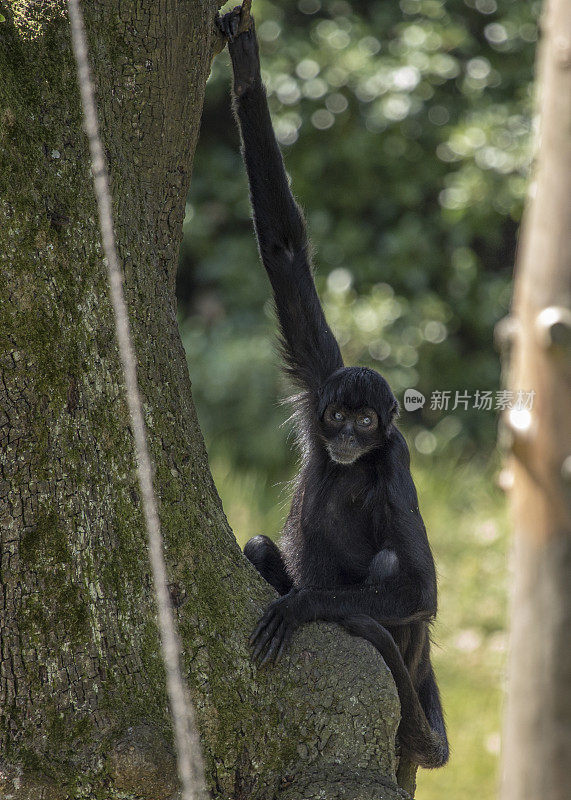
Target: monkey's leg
[{"x": 266, "y": 557}]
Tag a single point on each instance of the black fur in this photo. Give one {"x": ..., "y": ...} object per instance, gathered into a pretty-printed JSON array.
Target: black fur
[{"x": 354, "y": 548}]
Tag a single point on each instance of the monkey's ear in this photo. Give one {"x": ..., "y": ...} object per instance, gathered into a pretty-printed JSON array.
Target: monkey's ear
[{"x": 394, "y": 410}]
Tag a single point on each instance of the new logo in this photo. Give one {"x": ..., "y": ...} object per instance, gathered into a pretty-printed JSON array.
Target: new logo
[{"x": 413, "y": 400}]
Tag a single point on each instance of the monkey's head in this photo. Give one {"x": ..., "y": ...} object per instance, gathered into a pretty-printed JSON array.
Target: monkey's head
[{"x": 356, "y": 412}]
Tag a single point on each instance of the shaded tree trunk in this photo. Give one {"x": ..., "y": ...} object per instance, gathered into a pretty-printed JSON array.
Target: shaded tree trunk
[
  {"x": 537, "y": 750},
  {"x": 82, "y": 697}
]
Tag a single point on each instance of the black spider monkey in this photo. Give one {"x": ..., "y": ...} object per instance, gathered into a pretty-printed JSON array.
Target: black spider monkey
[{"x": 354, "y": 549}]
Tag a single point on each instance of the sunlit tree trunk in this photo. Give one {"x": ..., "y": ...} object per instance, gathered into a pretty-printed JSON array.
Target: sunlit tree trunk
[
  {"x": 82, "y": 698},
  {"x": 537, "y": 746}
]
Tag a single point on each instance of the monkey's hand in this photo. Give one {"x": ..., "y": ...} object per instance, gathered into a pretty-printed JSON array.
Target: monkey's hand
[
  {"x": 275, "y": 629},
  {"x": 229, "y": 24},
  {"x": 238, "y": 28}
]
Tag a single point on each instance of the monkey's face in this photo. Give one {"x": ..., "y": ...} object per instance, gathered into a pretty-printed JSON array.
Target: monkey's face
[
  {"x": 349, "y": 434},
  {"x": 355, "y": 413}
]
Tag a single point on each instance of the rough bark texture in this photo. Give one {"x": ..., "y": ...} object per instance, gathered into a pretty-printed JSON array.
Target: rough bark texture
[
  {"x": 82, "y": 699},
  {"x": 537, "y": 750}
]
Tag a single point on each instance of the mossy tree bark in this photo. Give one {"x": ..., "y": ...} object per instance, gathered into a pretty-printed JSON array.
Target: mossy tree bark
[{"x": 82, "y": 693}]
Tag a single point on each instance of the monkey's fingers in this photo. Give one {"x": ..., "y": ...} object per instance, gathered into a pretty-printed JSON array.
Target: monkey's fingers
[
  {"x": 234, "y": 23},
  {"x": 264, "y": 621},
  {"x": 274, "y": 645},
  {"x": 284, "y": 643},
  {"x": 269, "y": 631},
  {"x": 228, "y": 24}
]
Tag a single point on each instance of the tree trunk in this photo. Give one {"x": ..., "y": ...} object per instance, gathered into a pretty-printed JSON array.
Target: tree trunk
[
  {"x": 537, "y": 750},
  {"x": 82, "y": 696}
]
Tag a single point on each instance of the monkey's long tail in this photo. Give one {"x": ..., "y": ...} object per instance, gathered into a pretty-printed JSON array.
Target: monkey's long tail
[{"x": 424, "y": 741}]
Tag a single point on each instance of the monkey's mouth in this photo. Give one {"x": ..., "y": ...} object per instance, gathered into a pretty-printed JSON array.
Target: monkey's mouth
[{"x": 343, "y": 455}]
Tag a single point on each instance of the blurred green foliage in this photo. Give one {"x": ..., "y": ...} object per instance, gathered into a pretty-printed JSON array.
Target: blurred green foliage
[{"x": 406, "y": 131}]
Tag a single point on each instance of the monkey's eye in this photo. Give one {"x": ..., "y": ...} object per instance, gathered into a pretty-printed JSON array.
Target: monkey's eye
[
  {"x": 367, "y": 420},
  {"x": 335, "y": 416}
]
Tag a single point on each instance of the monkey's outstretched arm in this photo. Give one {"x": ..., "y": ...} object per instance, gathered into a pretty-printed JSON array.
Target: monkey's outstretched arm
[{"x": 310, "y": 350}]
